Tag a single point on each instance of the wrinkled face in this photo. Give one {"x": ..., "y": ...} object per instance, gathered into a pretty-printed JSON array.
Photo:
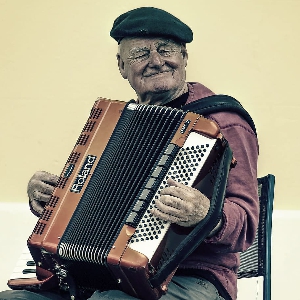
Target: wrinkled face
[{"x": 154, "y": 67}]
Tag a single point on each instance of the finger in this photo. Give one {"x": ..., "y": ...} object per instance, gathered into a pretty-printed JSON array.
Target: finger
[
  {"x": 183, "y": 192},
  {"x": 166, "y": 217},
  {"x": 37, "y": 185},
  {"x": 172, "y": 182},
  {"x": 46, "y": 188},
  {"x": 49, "y": 178},
  {"x": 52, "y": 179},
  {"x": 36, "y": 206},
  {"x": 46, "y": 177},
  {"x": 171, "y": 206},
  {"x": 170, "y": 201},
  {"x": 38, "y": 196}
]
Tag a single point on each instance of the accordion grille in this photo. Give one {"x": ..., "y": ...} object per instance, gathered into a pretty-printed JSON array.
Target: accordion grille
[{"x": 136, "y": 144}]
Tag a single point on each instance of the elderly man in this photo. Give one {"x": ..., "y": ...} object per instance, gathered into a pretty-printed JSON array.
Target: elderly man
[{"x": 152, "y": 56}]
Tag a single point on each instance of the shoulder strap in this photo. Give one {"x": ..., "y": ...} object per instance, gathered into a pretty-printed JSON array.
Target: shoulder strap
[{"x": 218, "y": 103}]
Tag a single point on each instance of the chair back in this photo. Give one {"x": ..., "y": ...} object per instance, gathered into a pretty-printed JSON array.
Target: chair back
[{"x": 256, "y": 260}]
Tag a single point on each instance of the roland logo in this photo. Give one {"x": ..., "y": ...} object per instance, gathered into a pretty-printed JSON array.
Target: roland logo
[{"x": 83, "y": 174}]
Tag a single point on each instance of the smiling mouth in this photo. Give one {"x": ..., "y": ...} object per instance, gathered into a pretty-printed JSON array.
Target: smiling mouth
[{"x": 156, "y": 73}]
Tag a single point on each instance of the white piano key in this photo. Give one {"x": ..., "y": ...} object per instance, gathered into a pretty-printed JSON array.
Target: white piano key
[{"x": 24, "y": 267}]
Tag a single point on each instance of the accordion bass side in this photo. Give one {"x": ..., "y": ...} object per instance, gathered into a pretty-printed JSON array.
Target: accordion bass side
[{"x": 97, "y": 231}]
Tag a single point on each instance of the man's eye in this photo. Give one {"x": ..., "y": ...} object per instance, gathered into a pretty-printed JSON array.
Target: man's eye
[
  {"x": 165, "y": 52},
  {"x": 140, "y": 55}
]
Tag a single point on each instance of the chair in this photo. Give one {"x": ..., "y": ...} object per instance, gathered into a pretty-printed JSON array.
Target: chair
[{"x": 256, "y": 260}]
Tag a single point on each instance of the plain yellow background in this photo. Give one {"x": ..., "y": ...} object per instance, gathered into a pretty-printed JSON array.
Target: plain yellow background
[{"x": 56, "y": 58}]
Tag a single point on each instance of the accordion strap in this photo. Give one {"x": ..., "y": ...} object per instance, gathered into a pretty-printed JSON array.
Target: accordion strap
[{"x": 219, "y": 103}]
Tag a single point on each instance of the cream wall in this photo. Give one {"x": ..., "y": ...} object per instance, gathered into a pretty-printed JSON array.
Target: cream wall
[{"x": 56, "y": 58}]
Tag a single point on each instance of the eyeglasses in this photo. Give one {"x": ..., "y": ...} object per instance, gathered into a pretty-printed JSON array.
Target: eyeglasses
[{"x": 164, "y": 49}]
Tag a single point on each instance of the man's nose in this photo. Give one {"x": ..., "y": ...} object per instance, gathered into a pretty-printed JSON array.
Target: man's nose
[{"x": 155, "y": 59}]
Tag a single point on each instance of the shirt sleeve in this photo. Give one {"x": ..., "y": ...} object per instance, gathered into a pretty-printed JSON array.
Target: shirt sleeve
[{"x": 241, "y": 206}]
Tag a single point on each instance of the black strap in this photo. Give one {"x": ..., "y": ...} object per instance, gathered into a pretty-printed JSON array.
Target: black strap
[{"x": 219, "y": 103}]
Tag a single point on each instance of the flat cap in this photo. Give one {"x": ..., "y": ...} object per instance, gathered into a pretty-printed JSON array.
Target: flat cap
[{"x": 150, "y": 21}]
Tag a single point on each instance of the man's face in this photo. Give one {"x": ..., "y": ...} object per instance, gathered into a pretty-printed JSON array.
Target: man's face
[{"x": 154, "y": 67}]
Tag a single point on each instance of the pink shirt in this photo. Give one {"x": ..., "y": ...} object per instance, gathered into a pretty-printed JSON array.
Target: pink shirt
[{"x": 218, "y": 255}]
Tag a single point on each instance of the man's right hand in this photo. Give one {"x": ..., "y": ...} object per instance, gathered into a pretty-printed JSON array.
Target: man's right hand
[{"x": 40, "y": 187}]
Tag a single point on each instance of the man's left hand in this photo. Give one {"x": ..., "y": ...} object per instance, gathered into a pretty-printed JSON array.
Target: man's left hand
[{"x": 181, "y": 204}]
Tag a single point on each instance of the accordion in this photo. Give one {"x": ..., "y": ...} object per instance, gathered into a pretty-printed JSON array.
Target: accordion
[{"x": 97, "y": 231}]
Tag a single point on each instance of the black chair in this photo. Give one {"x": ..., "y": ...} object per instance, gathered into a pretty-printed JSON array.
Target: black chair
[{"x": 256, "y": 261}]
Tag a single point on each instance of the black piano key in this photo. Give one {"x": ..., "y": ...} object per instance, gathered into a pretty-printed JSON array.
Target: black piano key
[
  {"x": 30, "y": 263},
  {"x": 28, "y": 271}
]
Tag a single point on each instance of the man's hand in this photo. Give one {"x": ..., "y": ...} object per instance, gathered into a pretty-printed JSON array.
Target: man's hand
[
  {"x": 181, "y": 204},
  {"x": 39, "y": 189}
]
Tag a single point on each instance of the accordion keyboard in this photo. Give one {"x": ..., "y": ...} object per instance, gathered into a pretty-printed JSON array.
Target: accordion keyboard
[{"x": 25, "y": 266}]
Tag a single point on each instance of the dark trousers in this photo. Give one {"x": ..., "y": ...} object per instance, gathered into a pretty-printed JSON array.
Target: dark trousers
[{"x": 181, "y": 287}]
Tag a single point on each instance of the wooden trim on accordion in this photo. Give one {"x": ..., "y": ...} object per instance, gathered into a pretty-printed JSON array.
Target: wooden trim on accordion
[{"x": 197, "y": 123}]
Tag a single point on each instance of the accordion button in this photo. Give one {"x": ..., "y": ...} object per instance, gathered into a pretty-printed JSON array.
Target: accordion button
[
  {"x": 144, "y": 194},
  {"x": 156, "y": 173},
  {"x": 150, "y": 183},
  {"x": 170, "y": 149},
  {"x": 163, "y": 160},
  {"x": 140, "y": 206},
  {"x": 132, "y": 219}
]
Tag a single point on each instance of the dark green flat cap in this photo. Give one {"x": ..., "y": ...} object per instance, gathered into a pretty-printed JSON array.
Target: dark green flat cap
[{"x": 150, "y": 22}]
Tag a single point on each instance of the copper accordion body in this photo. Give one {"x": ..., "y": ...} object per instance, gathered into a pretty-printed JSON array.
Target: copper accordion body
[{"x": 97, "y": 230}]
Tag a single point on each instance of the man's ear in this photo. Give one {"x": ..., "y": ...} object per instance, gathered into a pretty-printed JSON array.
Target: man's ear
[
  {"x": 185, "y": 56},
  {"x": 121, "y": 66}
]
